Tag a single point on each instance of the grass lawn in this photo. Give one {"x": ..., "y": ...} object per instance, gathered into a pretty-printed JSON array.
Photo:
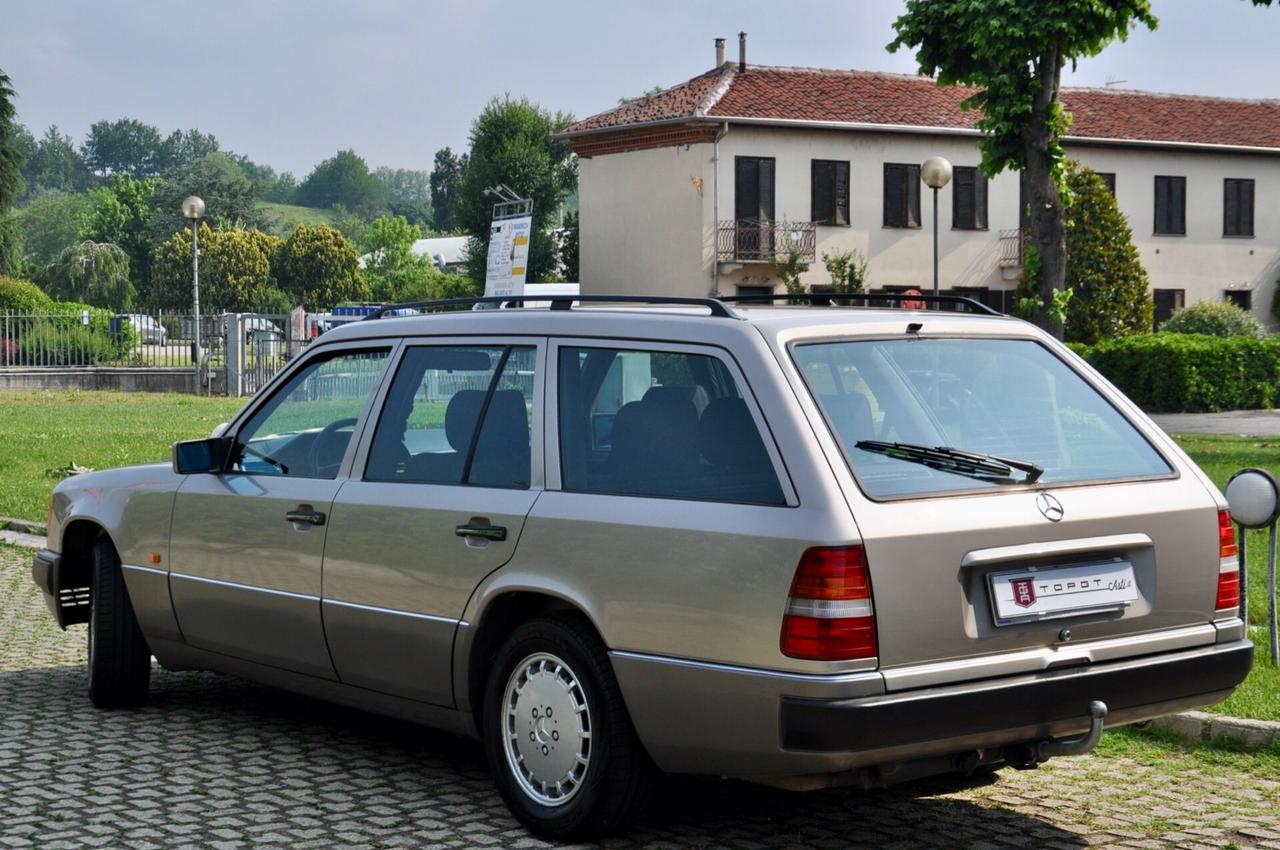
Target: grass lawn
[{"x": 45, "y": 432}]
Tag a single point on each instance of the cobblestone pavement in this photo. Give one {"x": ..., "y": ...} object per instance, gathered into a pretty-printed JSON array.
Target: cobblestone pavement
[{"x": 215, "y": 762}]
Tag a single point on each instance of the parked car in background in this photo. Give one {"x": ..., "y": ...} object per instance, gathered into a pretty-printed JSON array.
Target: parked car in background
[
  {"x": 150, "y": 331},
  {"x": 803, "y": 546}
]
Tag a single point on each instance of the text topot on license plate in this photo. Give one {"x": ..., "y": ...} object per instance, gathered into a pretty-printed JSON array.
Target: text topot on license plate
[{"x": 1034, "y": 593}]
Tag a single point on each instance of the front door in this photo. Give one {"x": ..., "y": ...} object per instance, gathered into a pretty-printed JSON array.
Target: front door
[
  {"x": 453, "y": 467},
  {"x": 247, "y": 544}
]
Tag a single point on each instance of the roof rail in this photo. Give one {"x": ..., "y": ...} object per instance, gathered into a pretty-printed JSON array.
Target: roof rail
[
  {"x": 715, "y": 306},
  {"x": 830, "y": 299}
]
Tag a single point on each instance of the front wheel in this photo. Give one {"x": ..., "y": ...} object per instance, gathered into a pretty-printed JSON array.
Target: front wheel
[
  {"x": 119, "y": 658},
  {"x": 557, "y": 735}
]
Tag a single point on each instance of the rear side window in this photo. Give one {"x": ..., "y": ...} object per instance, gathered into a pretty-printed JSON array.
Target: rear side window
[
  {"x": 457, "y": 416},
  {"x": 1008, "y": 398},
  {"x": 662, "y": 424}
]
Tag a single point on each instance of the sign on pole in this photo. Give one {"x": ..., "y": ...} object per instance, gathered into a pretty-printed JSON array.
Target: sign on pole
[{"x": 508, "y": 245}]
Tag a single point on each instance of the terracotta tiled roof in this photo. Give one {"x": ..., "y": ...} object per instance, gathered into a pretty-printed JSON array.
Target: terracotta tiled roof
[{"x": 864, "y": 97}]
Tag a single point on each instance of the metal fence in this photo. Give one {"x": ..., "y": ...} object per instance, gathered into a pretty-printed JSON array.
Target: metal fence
[
  {"x": 100, "y": 338},
  {"x": 746, "y": 240}
]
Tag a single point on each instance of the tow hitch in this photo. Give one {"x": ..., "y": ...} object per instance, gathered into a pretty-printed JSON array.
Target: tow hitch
[{"x": 1046, "y": 750}]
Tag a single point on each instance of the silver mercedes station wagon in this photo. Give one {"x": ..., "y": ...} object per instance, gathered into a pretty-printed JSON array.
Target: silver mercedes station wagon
[{"x": 800, "y": 545}]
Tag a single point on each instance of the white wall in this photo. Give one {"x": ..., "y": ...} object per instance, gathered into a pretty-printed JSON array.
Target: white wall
[
  {"x": 640, "y": 220},
  {"x": 648, "y": 226}
]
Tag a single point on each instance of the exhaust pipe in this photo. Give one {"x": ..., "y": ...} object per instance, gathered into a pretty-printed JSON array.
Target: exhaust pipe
[{"x": 1046, "y": 750}]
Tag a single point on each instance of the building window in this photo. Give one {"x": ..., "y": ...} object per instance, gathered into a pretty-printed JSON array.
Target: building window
[
  {"x": 1168, "y": 302},
  {"x": 1242, "y": 298},
  {"x": 830, "y": 192},
  {"x": 1237, "y": 207},
  {"x": 1108, "y": 177},
  {"x": 901, "y": 195},
  {"x": 1171, "y": 206},
  {"x": 753, "y": 188},
  {"x": 969, "y": 199}
]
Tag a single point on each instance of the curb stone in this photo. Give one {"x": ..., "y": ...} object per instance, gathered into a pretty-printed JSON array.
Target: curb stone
[
  {"x": 21, "y": 538},
  {"x": 22, "y": 526},
  {"x": 1201, "y": 727}
]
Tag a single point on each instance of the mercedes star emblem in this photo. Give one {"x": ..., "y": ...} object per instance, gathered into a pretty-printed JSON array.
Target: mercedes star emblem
[{"x": 1050, "y": 507}]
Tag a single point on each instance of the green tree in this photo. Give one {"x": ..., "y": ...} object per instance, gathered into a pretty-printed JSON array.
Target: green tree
[
  {"x": 235, "y": 271},
  {"x": 125, "y": 146},
  {"x": 445, "y": 174},
  {"x": 121, "y": 213},
  {"x": 790, "y": 268},
  {"x": 54, "y": 163},
  {"x": 1108, "y": 285},
  {"x": 511, "y": 144},
  {"x": 1014, "y": 54},
  {"x": 344, "y": 180},
  {"x": 569, "y": 246},
  {"x": 11, "y": 184},
  {"x": 318, "y": 267},
  {"x": 408, "y": 193},
  {"x": 180, "y": 149},
  {"x": 50, "y": 221},
  {"x": 848, "y": 270},
  {"x": 95, "y": 273},
  {"x": 227, "y": 193}
]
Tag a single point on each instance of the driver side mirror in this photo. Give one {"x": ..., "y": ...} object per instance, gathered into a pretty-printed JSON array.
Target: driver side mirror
[{"x": 192, "y": 456}]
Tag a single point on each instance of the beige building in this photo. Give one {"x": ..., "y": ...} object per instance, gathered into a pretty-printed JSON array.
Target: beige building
[{"x": 699, "y": 188}]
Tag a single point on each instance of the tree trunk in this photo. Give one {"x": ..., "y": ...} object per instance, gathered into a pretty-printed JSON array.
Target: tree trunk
[{"x": 1048, "y": 219}]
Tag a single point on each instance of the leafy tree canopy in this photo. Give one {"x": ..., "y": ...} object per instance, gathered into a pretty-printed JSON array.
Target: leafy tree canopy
[
  {"x": 124, "y": 146},
  {"x": 50, "y": 221},
  {"x": 1013, "y": 53},
  {"x": 1109, "y": 286},
  {"x": 54, "y": 163},
  {"x": 95, "y": 273},
  {"x": 218, "y": 180},
  {"x": 11, "y": 183},
  {"x": 121, "y": 213},
  {"x": 235, "y": 270},
  {"x": 408, "y": 193},
  {"x": 344, "y": 180},
  {"x": 318, "y": 267},
  {"x": 180, "y": 149},
  {"x": 511, "y": 144},
  {"x": 21, "y": 296},
  {"x": 445, "y": 174}
]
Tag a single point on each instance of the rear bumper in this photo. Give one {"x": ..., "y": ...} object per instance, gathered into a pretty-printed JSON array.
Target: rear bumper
[
  {"x": 989, "y": 707},
  {"x": 695, "y": 717}
]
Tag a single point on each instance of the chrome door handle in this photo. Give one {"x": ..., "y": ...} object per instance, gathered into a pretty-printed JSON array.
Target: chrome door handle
[
  {"x": 305, "y": 513},
  {"x": 488, "y": 532}
]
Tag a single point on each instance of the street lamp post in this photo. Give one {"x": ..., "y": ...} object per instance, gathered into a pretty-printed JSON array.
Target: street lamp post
[
  {"x": 936, "y": 173},
  {"x": 192, "y": 211}
]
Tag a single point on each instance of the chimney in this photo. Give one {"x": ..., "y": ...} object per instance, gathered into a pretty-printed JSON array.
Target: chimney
[
  {"x": 719, "y": 52},
  {"x": 742, "y": 51}
]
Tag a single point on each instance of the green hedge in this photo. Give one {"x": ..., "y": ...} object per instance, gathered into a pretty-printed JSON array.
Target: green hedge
[
  {"x": 1175, "y": 373},
  {"x": 59, "y": 337}
]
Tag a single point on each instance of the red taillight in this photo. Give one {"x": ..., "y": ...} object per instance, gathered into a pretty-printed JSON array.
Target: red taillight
[
  {"x": 1226, "y": 536},
  {"x": 829, "y": 613},
  {"x": 1228, "y": 591}
]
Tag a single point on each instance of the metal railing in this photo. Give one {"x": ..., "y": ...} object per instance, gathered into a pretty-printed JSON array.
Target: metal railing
[
  {"x": 94, "y": 337},
  {"x": 1011, "y": 245},
  {"x": 748, "y": 240}
]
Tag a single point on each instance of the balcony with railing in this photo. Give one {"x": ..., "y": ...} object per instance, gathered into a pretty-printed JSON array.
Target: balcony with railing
[
  {"x": 751, "y": 241},
  {"x": 1012, "y": 243}
]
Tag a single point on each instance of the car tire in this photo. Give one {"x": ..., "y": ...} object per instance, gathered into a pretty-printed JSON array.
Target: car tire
[
  {"x": 607, "y": 776},
  {"x": 119, "y": 658}
]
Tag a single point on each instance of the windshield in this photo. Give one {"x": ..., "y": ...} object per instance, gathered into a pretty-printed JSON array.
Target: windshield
[{"x": 1006, "y": 398}]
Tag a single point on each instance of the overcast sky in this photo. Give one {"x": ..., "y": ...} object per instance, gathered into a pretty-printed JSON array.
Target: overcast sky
[{"x": 289, "y": 83}]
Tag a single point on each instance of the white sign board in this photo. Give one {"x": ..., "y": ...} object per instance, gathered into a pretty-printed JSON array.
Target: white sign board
[{"x": 508, "y": 256}]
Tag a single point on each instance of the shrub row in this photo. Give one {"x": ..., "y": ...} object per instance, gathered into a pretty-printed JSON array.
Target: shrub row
[
  {"x": 1175, "y": 373},
  {"x": 57, "y": 335}
]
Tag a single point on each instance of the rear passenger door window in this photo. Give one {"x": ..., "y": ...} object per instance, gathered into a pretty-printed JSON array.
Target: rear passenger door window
[
  {"x": 665, "y": 424},
  {"x": 457, "y": 415}
]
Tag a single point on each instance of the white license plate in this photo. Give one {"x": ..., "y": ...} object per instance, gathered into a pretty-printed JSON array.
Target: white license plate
[{"x": 1034, "y": 593}]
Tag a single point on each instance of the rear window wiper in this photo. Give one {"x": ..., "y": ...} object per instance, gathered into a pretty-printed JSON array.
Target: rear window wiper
[{"x": 947, "y": 459}]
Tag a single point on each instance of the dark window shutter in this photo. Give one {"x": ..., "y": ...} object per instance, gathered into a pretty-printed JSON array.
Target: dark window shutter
[
  {"x": 979, "y": 200},
  {"x": 1162, "y": 205},
  {"x": 822, "y": 192},
  {"x": 913, "y": 195},
  {"x": 962, "y": 199},
  {"x": 1178, "y": 201},
  {"x": 746, "y": 188},
  {"x": 1246, "y": 207},
  {"x": 895, "y": 214},
  {"x": 766, "y": 189},
  {"x": 1171, "y": 205},
  {"x": 1109, "y": 177},
  {"x": 1230, "y": 207},
  {"x": 841, "y": 193}
]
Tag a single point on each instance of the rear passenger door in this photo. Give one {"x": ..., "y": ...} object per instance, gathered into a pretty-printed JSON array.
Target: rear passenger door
[{"x": 440, "y": 488}]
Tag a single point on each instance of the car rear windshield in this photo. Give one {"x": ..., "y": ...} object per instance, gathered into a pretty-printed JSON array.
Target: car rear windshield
[{"x": 1004, "y": 397}]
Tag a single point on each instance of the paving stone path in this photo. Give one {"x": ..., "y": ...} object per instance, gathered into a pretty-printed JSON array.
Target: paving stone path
[{"x": 216, "y": 762}]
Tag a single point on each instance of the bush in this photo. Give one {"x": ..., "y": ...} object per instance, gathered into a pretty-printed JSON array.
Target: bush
[
  {"x": 1172, "y": 372},
  {"x": 1108, "y": 285},
  {"x": 59, "y": 337},
  {"x": 1214, "y": 318},
  {"x": 21, "y": 296}
]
